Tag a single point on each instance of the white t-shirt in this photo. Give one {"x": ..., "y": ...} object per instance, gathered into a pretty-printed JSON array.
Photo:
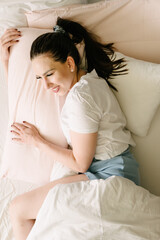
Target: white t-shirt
[{"x": 90, "y": 107}]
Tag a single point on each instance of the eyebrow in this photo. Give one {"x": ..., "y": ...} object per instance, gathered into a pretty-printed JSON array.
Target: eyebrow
[{"x": 47, "y": 71}]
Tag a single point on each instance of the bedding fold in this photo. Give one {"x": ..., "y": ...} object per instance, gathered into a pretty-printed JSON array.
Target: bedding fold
[{"x": 110, "y": 209}]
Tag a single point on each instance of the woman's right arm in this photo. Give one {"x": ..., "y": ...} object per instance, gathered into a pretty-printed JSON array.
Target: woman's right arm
[{"x": 8, "y": 39}]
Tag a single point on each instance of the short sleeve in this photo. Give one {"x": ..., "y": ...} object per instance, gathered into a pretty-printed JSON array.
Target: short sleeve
[{"x": 84, "y": 114}]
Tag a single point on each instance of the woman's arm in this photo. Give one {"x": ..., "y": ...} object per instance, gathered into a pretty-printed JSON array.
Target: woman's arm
[
  {"x": 78, "y": 159},
  {"x": 8, "y": 39}
]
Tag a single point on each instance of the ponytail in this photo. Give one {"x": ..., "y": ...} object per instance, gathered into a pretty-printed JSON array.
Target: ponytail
[
  {"x": 99, "y": 56},
  {"x": 63, "y": 41}
]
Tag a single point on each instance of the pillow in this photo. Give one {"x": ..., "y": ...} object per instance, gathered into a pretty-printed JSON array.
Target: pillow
[
  {"x": 138, "y": 93},
  {"x": 114, "y": 21},
  {"x": 28, "y": 101},
  {"x": 12, "y": 13},
  {"x": 3, "y": 108},
  {"x": 134, "y": 36}
]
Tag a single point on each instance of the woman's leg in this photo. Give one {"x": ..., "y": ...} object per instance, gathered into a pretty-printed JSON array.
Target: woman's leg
[{"x": 24, "y": 208}]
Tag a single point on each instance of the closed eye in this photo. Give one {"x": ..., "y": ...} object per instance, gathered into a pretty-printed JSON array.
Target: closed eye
[{"x": 48, "y": 75}]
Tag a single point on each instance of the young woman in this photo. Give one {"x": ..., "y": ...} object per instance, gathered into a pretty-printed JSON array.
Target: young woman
[{"x": 91, "y": 118}]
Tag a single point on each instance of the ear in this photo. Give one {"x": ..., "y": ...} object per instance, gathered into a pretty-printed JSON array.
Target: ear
[{"x": 71, "y": 63}]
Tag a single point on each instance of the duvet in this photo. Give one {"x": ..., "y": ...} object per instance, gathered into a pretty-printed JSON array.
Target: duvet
[
  {"x": 94, "y": 210},
  {"x": 112, "y": 209}
]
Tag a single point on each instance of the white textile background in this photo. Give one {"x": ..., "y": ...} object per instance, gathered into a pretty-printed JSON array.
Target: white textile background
[
  {"x": 3, "y": 109},
  {"x": 12, "y": 11}
]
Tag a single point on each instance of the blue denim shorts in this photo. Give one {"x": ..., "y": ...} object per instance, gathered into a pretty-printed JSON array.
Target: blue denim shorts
[{"x": 123, "y": 165}]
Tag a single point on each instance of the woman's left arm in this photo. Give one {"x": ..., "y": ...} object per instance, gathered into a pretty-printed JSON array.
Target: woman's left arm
[{"x": 78, "y": 158}]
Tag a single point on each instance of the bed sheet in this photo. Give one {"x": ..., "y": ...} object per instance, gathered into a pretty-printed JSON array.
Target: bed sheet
[{"x": 8, "y": 190}]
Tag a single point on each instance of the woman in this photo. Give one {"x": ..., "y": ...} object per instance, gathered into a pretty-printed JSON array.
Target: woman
[{"x": 91, "y": 118}]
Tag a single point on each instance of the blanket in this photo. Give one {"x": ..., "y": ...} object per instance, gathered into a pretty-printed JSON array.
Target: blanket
[{"x": 109, "y": 209}]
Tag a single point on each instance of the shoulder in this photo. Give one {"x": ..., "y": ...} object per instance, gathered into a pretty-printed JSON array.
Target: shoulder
[
  {"x": 91, "y": 91},
  {"x": 80, "y": 97},
  {"x": 88, "y": 84}
]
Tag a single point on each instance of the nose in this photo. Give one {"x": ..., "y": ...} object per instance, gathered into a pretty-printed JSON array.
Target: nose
[{"x": 45, "y": 83}]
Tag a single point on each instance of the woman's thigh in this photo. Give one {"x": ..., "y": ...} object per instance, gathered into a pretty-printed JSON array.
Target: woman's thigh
[{"x": 28, "y": 204}]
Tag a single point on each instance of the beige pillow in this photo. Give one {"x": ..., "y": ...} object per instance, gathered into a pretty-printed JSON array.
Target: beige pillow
[
  {"x": 127, "y": 23},
  {"x": 28, "y": 101}
]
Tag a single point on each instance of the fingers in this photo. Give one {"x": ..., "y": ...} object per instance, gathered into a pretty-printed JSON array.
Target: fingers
[
  {"x": 9, "y": 36},
  {"x": 15, "y": 133},
  {"x": 20, "y": 127},
  {"x": 29, "y": 125},
  {"x": 17, "y": 140},
  {"x": 9, "y": 44},
  {"x": 15, "y": 127}
]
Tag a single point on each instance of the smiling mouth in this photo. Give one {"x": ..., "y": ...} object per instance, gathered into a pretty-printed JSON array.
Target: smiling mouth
[{"x": 56, "y": 89}]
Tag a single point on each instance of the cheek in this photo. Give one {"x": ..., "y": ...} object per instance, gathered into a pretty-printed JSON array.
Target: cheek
[{"x": 64, "y": 78}]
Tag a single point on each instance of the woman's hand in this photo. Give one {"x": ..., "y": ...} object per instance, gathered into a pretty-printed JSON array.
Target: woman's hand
[
  {"x": 25, "y": 133},
  {"x": 8, "y": 39}
]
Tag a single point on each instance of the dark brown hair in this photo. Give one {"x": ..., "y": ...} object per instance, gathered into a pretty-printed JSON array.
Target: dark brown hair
[{"x": 62, "y": 44}]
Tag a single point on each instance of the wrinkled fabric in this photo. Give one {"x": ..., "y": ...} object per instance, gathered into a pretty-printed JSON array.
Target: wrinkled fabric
[{"x": 109, "y": 209}]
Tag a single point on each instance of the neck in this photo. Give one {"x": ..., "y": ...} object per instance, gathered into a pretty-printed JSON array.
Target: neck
[
  {"x": 78, "y": 76},
  {"x": 80, "y": 73}
]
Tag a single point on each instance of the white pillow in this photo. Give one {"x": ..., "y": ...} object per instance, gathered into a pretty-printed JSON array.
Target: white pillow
[
  {"x": 138, "y": 93},
  {"x": 12, "y": 12}
]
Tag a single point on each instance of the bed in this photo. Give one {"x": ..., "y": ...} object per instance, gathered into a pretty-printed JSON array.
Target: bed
[{"x": 101, "y": 209}]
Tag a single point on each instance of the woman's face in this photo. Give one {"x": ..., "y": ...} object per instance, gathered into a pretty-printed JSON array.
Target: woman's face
[{"x": 55, "y": 76}]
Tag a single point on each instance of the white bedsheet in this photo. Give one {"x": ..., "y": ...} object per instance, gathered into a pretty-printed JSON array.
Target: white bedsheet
[
  {"x": 8, "y": 190},
  {"x": 113, "y": 209}
]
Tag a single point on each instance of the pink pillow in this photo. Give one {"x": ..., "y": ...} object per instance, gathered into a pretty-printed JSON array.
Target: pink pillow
[
  {"x": 28, "y": 101},
  {"x": 127, "y": 23}
]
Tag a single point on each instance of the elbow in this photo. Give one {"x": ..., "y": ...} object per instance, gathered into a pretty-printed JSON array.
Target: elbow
[
  {"x": 82, "y": 168},
  {"x": 80, "y": 165}
]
